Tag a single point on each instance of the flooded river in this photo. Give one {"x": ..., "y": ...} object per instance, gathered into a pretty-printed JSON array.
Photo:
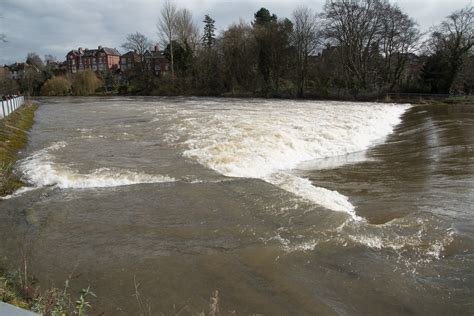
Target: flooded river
[{"x": 284, "y": 207}]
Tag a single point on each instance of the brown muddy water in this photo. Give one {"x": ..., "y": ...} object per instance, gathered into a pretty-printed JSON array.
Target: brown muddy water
[{"x": 286, "y": 208}]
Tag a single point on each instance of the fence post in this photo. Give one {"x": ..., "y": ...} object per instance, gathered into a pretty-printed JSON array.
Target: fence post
[{"x": 3, "y": 110}]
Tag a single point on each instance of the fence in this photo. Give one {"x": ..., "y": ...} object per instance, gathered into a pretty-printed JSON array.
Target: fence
[{"x": 10, "y": 105}]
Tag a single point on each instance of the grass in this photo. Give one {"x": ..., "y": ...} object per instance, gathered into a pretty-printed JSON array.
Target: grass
[
  {"x": 19, "y": 290},
  {"x": 13, "y": 137}
]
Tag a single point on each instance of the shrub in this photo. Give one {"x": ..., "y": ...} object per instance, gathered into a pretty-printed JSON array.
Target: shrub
[
  {"x": 56, "y": 86},
  {"x": 85, "y": 83}
]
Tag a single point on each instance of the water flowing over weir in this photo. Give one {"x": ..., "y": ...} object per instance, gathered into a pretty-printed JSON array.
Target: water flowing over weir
[{"x": 285, "y": 207}]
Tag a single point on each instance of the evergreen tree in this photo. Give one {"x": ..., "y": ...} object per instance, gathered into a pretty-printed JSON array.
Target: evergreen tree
[{"x": 209, "y": 37}]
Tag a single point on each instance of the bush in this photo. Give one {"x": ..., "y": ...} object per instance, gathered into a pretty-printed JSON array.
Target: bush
[
  {"x": 56, "y": 86},
  {"x": 8, "y": 86},
  {"x": 85, "y": 83}
]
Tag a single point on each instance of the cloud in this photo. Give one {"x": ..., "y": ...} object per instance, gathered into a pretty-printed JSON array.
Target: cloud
[{"x": 57, "y": 26}]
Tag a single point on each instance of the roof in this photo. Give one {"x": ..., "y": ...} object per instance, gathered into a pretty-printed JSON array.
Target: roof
[
  {"x": 92, "y": 52},
  {"x": 130, "y": 54},
  {"x": 154, "y": 54},
  {"x": 111, "y": 51}
]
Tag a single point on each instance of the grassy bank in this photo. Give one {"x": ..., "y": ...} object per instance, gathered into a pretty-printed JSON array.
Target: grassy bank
[
  {"x": 19, "y": 290},
  {"x": 13, "y": 137}
]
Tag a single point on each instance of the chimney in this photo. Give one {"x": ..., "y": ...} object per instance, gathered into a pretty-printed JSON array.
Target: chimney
[
  {"x": 80, "y": 50},
  {"x": 100, "y": 47},
  {"x": 156, "y": 48}
]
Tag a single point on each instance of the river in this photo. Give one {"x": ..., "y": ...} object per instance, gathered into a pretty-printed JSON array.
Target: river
[{"x": 284, "y": 207}]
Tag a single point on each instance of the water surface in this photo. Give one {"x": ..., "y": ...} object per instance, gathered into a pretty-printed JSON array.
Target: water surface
[{"x": 286, "y": 208}]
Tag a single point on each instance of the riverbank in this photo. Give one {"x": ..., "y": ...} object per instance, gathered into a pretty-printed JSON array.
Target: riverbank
[{"x": 13, "y": 137}]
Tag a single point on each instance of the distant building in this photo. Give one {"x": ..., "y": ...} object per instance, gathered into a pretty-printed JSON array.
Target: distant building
[
  {"x": 157, "y": 62},
  {"x": 129, "y": 60},
  {"x": 100, "y": 59}
]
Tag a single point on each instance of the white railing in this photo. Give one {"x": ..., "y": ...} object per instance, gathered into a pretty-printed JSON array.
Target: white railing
[{"x": 11, "y": 105}]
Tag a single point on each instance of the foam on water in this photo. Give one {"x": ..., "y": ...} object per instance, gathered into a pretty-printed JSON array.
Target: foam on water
[
  {"x": 261, "y": 140},
  {"x": 40, "y": 169},
  {"x": 332, "y": 200}
]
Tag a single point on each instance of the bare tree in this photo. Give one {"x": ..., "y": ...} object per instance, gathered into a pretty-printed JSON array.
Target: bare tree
[
  {"x": 139, "y": 43},
  {"x": 399, "y": 38},
  {"x": 48, "y": 58},
  {"x": 167, "y": 27},
  {"x": 452, "y": 40},
  {"x": 305, "y": 39},
  {"x": 187, "y": 31},
  {"x": 3, "y": 37},
  {"x": 354, "y": 26},
  {"x": 373, "y": 40}
]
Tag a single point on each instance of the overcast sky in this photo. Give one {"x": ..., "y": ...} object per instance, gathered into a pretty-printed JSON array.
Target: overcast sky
[{"x": 57, "y": 26}]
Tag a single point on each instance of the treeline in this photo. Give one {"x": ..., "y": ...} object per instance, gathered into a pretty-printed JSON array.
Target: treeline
[{"x": 352, "y": 49}]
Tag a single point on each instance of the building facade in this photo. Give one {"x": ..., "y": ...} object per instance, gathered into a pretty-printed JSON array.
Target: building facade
[
  {"x": 129, "y": 60},
  {"x": 100, "y": 59},
  {"x": 156, "y": 62}
]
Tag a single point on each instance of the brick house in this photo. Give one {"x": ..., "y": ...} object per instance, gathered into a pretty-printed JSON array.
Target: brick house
[
  {"x": 100, "y": 59},
  {"x": 157, "y": 62},
  {"x": 128, "y": 60}
]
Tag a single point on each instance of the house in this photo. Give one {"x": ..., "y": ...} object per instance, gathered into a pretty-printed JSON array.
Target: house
[
  {"x": 100, "y": 59},
  {"x": 129, "y": 60},
  {"x": 157, "y": 62}
]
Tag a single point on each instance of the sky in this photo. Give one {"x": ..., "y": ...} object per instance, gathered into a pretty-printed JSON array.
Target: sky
[{"x": 57, "y": 26}]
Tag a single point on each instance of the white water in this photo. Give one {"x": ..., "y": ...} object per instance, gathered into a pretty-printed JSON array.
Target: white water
[
  {"x": 40, "y": 169},
  {"x": 266, "y": 140}
]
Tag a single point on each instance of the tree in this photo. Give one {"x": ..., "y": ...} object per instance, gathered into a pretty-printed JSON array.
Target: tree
[
  {"x": 8, "y": 86},
  {"x": 209, "y": 37},
  {"x": 373, "y": 40},
  {"x": 239, "y": 58},
  {"x": 182, "y": 56},
  {"x": 207, "y": 76},
  {"x": 138, "y": 43},
  {"x": 33, "y": 59},
  {"x": 399, "y": 38},
  {"x": 305, "y": 40},
  {"x": 48, "y": 58},
  {"x": 263, "y": 17},
  {"x": 187, "y": 32},
  {"x": 354, "y": 27},
  {"x": 449, "y": 44},
  {"x": 3, "y": 37},
  {"x": 167, "y": 28},
  {"x": 273, "y": 41},
  {"x": 56, "y": 86},
  {"x": 85, "y": 83}
]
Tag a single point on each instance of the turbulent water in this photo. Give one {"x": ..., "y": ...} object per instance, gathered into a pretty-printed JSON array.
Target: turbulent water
[{"x": 286, "y": 208}]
